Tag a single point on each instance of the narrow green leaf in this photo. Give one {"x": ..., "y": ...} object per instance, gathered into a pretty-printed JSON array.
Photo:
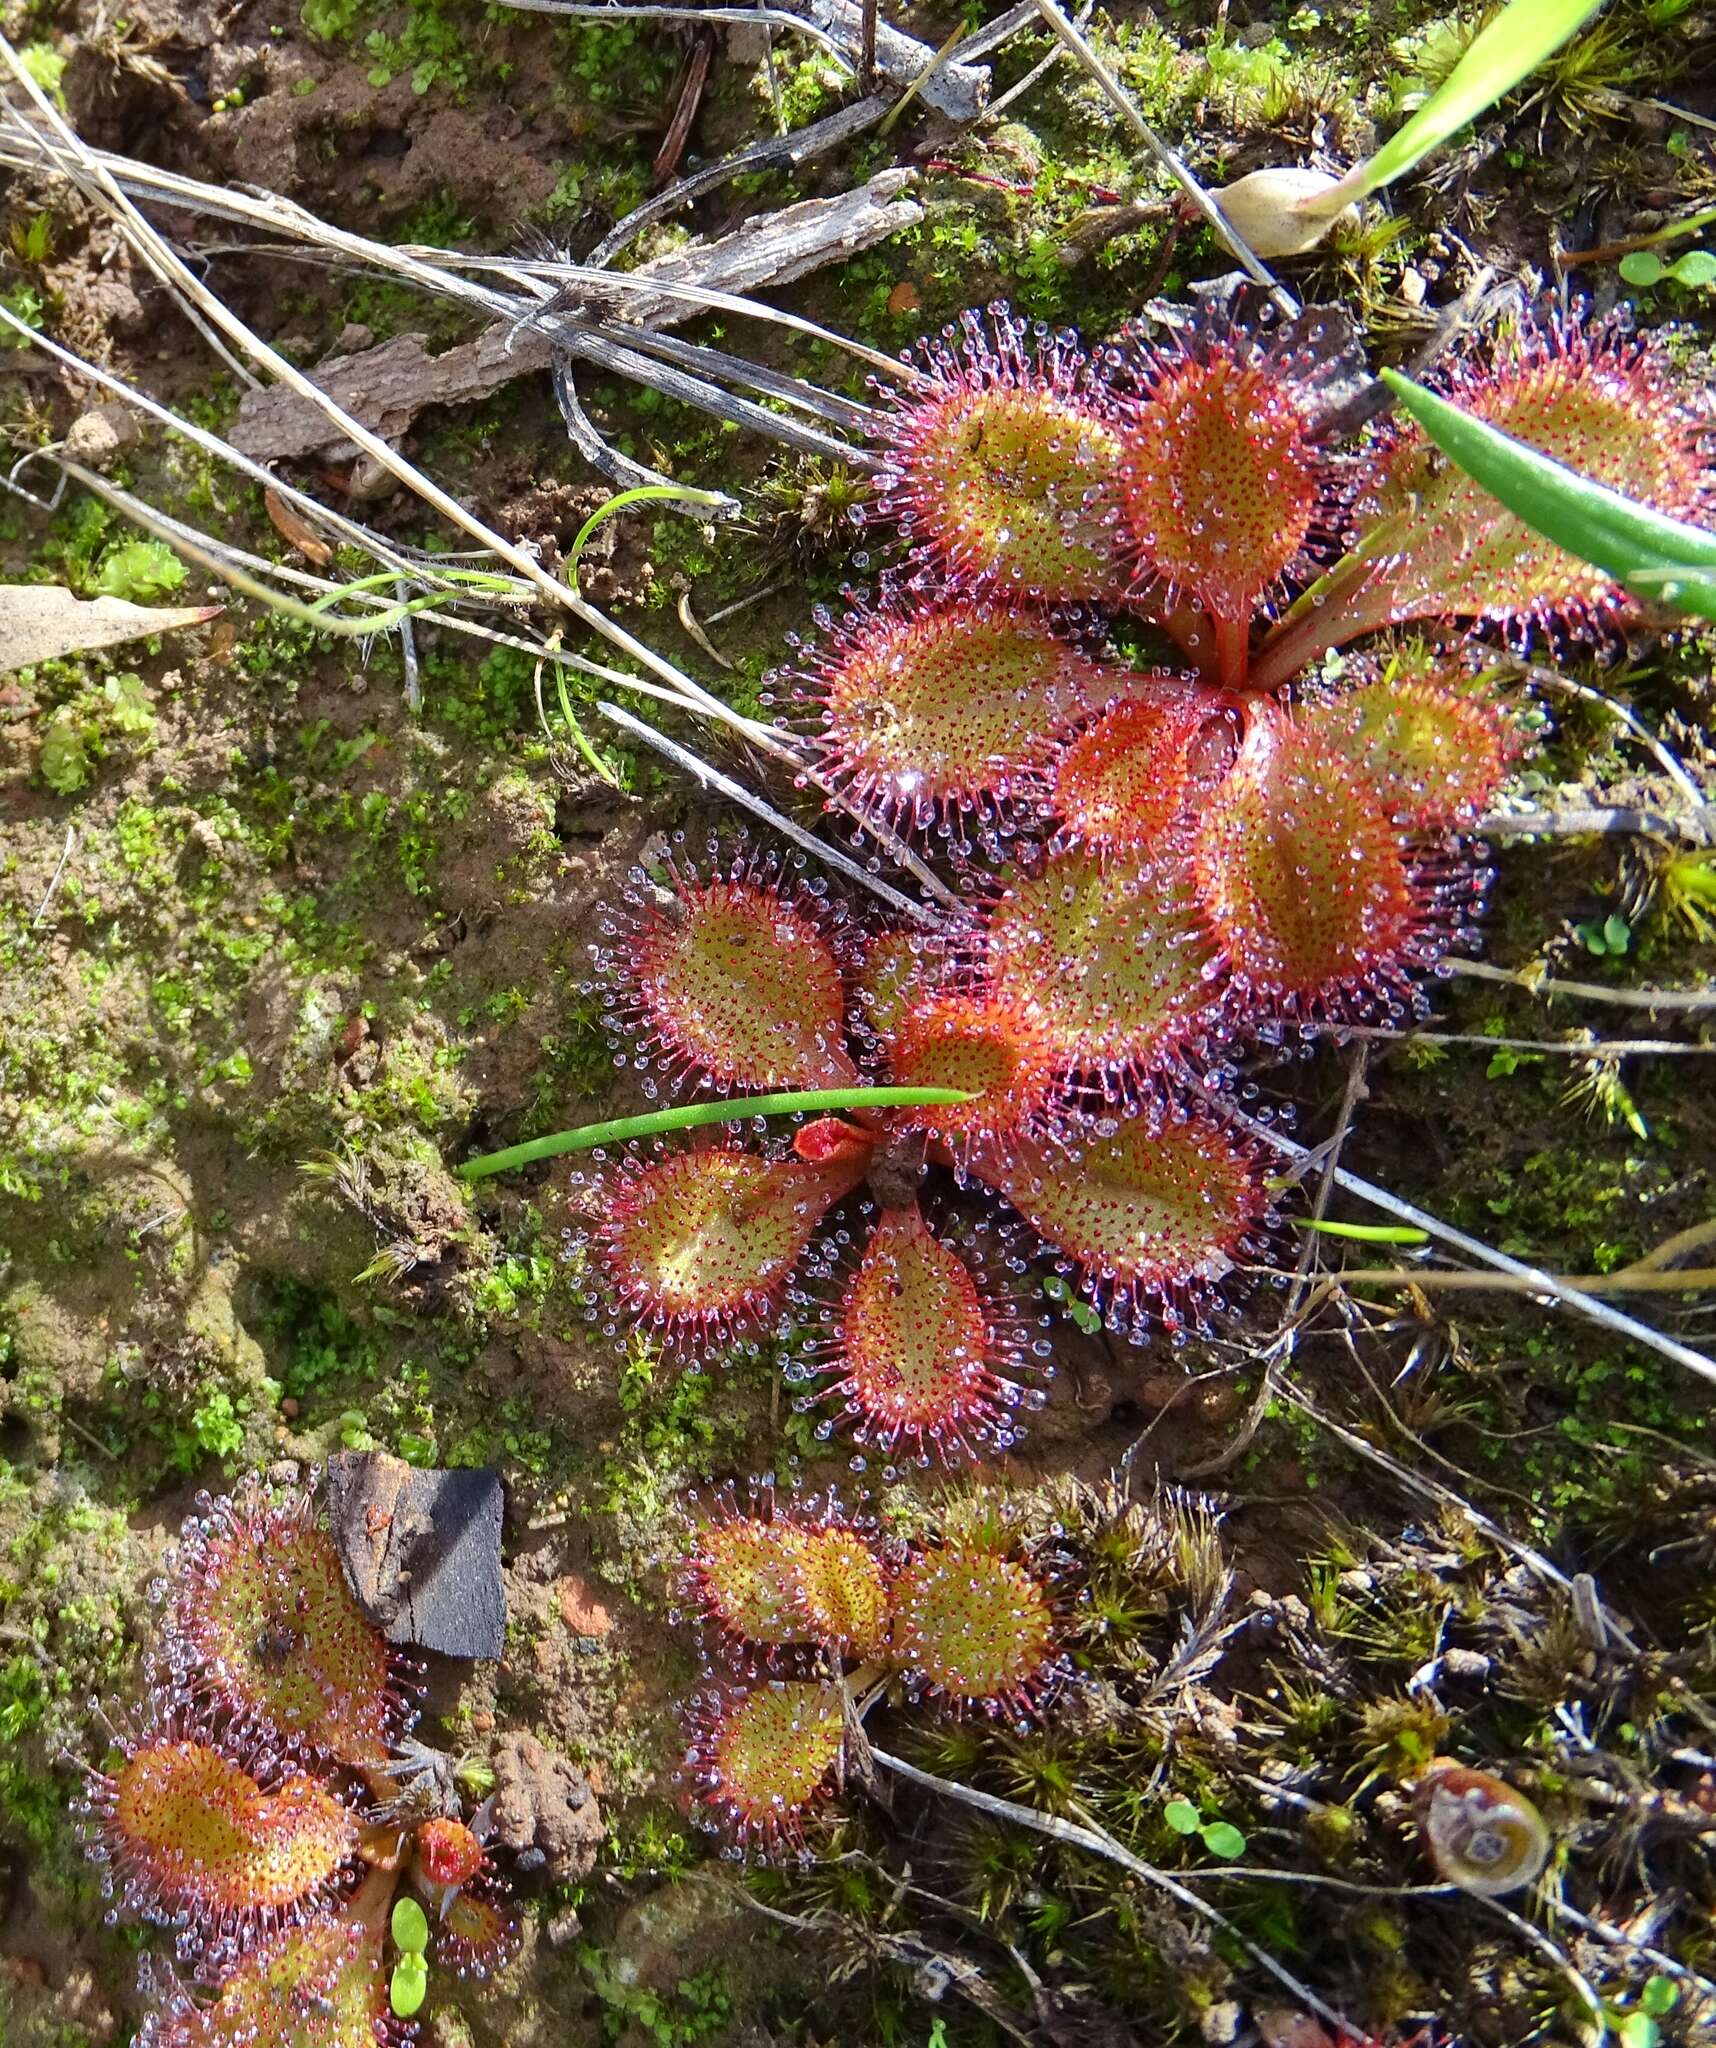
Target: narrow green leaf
[
  {"x": 1652, "y": 555},
  {"x": 618, "y": 503},
  {"x": 1511, "y": 48},
  {"x": 1367, "y": 1233},
  {"x": 410, "y": 1927},
  {"x": 410, "y": 1984},
  {"x": 1182, "y": 1816},
  {"x": 735, "y": 1109}
]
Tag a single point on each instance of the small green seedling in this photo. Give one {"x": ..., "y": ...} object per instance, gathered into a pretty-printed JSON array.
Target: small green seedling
[
  {"x": 1220, "y": 1837},
  {"x": 140, "y": 571},
  {"x": 1608, "y": 940},
  {"x": 1697, "y": 268},
  {"x": 410, "y": 1983},
  {"x": 1088, "y": 1319},
  {"x": 1638, "y": 2028}
]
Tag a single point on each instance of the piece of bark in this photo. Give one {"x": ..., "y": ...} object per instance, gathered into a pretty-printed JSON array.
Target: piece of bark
[
  {"x": 386, "y": 387},
  {"x": 421, "y": 1551},
  {"x": 961, "y": 91}
]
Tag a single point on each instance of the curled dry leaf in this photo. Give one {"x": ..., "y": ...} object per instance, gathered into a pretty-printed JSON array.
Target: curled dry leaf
[
  {"x": 45, "y": 621},
  {"x": 296, "y": 530}
]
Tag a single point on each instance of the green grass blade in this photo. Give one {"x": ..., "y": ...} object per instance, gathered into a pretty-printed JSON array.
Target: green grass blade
[
  {"x": 736, "y": 1109},
  {"x": 1511, "y": 48},
  {"x": 1649, "y": 554},
  {"x": 1365, "y": 1233}
]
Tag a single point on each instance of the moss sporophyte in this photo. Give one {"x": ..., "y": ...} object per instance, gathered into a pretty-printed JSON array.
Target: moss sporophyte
[
  {"x": 271, "y": 1801},
  {"x": 1155, "y": 869}
]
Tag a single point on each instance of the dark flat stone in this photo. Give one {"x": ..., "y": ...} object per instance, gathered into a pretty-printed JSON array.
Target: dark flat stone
[{"x": 422, "y": 1551}]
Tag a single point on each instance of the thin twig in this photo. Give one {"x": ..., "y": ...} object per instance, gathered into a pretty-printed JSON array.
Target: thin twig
[
  {"x": 712, "y": 778},
  {"x": 1589, "y": 1049},
  {"x": 1039, "y": 70},
  {"x": 1443, "y": 1279},
  {"x": 1127, "y": 107},
  {"x": 1281, "y": 1346},
  {"x": 1616, "y": 1937},
  {"x": 1584, "y": 1305},
  {"x": 1694, "y": 826},
  {"x": 1559, "y": 1957},
  {"x": 1552, "y": 679},
  {"x": 794, "y": 150},
  {"x": 1426, "y": 1489},
  {"x": 54, "y": 880},
  {"x": 1100, "y": 1843},
  {"x": 1548, "y": 987}
]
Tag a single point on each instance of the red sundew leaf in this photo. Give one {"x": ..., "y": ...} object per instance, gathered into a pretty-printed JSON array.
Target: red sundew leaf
[
  {"x": 799, "y": 1572},
  {"x": 1154, "y": 1214},
  {"x": 447, "y": 1852},
  {"x": 193, "y": 1836},
  {"x": 1112, "y": 960},
  {"x": 994, "y": 1049},
  {"x": 1434, "y": 753},
  {"x": 261, "y": 1622},
  {"x": 320, "y": 1986},
  {"x": 1122, "y": 781},
  {"x": 1595, "y": 398},
  {"x": 741, "y": 984},
  {"x": 1219, "y": 479},
  {"x": 700, "y": 1240},
  {"x": 979, "y": 1628},
  {"x": 1226, "y": 489},
  {"x": 1000, "y": 464},
  {"x": 918, "y": 1351},
  {"x": 1303, "y": 873},
  {"x": 760, "y": 1762},
  {"x": 747, "y": 1575},
  {"x": 476, "y": 1934},
  {"x": 928, "y": 713}
]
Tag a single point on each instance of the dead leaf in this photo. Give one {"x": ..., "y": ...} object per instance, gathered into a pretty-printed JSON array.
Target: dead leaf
[
  {"x": 292, "y": 527},
  {"x": 44, "y": 621}
]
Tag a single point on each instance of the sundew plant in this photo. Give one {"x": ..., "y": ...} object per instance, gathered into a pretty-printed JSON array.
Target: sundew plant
[{"x": 1157, "y": 868}]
